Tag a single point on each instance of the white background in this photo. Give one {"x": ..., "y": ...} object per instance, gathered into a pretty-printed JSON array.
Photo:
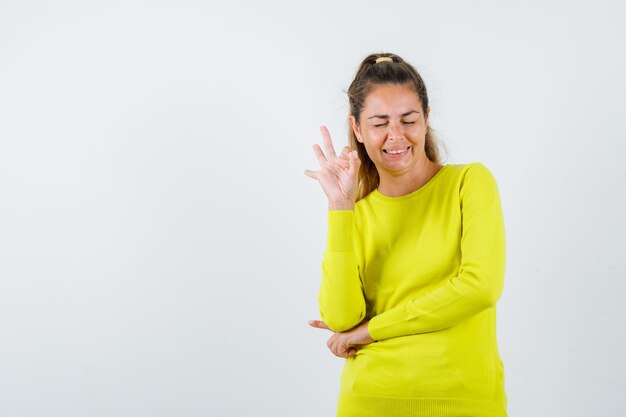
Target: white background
[{"x": 160, "y": 246}]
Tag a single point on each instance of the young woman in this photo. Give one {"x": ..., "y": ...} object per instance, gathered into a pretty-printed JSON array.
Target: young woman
[{"x": 414, "y": 261}]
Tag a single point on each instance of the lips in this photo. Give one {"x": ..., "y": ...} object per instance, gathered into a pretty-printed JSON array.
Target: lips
[{"x": 399, "y": 151}]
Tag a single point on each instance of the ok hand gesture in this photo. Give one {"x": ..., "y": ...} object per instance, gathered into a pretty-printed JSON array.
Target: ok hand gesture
[{"x": 338, "y": 175}]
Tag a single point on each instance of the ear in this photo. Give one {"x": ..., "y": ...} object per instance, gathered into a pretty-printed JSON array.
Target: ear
[{"x": 355, "y": 128}]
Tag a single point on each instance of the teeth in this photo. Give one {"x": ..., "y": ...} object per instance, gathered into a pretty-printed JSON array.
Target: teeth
[{"x": 396, "y": 151}]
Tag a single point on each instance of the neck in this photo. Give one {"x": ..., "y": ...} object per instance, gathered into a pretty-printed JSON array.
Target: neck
[{"x": 406, "y": 183}]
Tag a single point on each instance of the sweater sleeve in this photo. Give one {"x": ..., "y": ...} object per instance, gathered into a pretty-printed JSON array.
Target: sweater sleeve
[
  {"x": 480, "y": 278},
  {"x": 341, "y": 299}
]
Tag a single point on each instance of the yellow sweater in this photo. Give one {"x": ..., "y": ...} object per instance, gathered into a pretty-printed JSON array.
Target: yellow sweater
[{"x": 426, "y": 269}]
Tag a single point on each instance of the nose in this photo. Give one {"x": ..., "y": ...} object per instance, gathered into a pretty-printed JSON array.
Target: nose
[{"x": 395, "y": 130}]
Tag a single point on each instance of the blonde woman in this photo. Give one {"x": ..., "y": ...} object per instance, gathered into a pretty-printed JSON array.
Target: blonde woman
[{"x": 414, "y": 260}]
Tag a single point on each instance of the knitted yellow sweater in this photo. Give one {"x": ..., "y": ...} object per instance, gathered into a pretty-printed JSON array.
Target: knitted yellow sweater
[{"x": 426, "y": 269}]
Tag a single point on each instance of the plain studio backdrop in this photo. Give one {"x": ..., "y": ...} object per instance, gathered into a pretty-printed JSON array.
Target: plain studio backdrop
[{"x": 161, "y": 248}]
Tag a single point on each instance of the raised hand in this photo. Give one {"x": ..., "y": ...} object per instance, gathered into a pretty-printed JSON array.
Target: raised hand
[{"x": 338, "y": 175}]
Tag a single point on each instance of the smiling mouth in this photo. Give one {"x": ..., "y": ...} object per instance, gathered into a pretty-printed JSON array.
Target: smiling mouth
[{"x": 396, "y": 151}]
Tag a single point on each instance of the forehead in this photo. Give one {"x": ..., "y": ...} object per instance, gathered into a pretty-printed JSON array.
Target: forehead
[{"x": 391, "y": 99}]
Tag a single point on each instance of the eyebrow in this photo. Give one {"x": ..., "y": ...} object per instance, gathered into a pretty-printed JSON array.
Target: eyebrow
[{"x": 384, "y": 116}]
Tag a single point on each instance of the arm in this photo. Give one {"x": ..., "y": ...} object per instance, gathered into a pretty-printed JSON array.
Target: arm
[
  {"x": 341, "y": 299},
  {"x": 480, "y": 279}
]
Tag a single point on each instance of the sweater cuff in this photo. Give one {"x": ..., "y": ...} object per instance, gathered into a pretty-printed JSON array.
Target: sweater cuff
[
  {"x": 340, "y": 236},
  {"x": 390, "y": 323}
]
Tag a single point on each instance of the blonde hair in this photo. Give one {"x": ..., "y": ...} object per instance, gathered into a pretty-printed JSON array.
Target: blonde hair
[{"x": 374, "y": 70}]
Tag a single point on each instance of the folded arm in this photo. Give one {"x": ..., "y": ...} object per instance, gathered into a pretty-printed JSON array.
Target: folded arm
[{"x": 341, "y": 299}]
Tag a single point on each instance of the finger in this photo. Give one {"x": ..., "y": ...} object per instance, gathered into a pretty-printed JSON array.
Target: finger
[
  {"x": 312, "y": 174},
  {"x": 330, "y": 344},
  {"x": 345, "y": 351},
  {"x": 328, "y": 143},
  {"x": 319, "y": 155},
  {"x": 355, "y": 162},
  {"x": 336, "y": 345},
  {"x": 319, "y": 324},
  {"x": 341, "y": 160},
  {"x": 334, "y": 342},
  {"x": 338, "y": 165}
]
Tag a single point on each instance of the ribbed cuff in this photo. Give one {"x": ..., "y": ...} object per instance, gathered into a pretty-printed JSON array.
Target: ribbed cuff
[{"x": 340, "y": 230}]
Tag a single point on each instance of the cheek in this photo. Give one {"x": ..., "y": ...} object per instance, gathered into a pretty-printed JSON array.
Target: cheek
[
  {"x": 371, "y": 148},
  {"x": 417, "y": 134},
  {"x": 375, "y": 137},
  {"x": 418, "y": 130},
  {"x": 372, "y": 144}
]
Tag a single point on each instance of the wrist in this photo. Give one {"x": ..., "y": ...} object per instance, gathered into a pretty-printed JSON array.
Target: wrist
[
  {"x": 341, "y": 205},
  {"x": 367, "y": 329}
]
